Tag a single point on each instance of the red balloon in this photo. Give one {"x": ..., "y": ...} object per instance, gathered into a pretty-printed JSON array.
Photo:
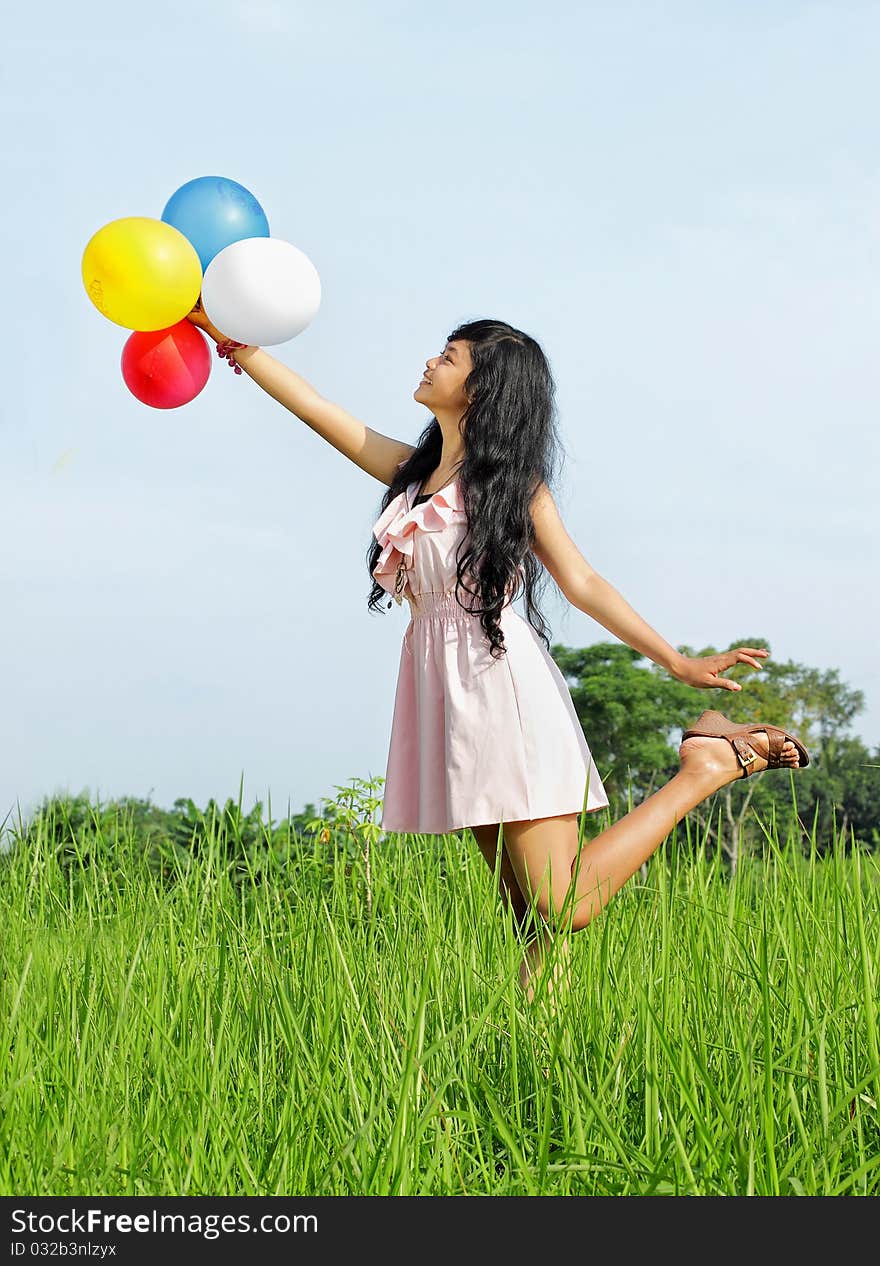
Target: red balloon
[{"x": 166, "y": 368}]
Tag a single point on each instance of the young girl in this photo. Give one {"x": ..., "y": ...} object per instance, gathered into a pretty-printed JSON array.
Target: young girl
[{"x": 484, "y": 733}]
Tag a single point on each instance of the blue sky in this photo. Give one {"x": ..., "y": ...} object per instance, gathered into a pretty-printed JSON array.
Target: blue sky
[{"x": 679, "y": 201}]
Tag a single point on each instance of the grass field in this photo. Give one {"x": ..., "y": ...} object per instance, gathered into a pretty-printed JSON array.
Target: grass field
[{"x": 318, "y": 1027}]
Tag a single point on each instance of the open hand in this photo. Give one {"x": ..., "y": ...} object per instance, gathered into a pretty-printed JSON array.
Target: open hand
[{"x": 704, "y": 669}]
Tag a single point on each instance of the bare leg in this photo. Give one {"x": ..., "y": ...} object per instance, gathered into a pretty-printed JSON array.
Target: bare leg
[
  {"x": 536, "y": 939},
  {"x": 540, "y": 849},
  {"x": 488, "y": 839},
  {"x": 547, "y": 945},
  {"x": 609, "y": 860}
]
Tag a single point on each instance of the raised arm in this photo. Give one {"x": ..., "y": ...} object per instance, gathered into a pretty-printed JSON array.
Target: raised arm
[
  {"x": 586, "y": 589},
  {"x": 378, "y": 455},
  {"x": 591, "y": 593}
]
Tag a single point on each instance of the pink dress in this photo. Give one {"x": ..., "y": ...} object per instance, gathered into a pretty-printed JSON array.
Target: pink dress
[{"x": 473, "y": 740}]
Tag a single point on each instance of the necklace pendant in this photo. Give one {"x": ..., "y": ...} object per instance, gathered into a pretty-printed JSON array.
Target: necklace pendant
[{"x": 400, "y": 581}]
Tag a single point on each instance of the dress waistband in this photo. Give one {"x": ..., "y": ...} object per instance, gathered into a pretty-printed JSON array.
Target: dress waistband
[
  {"x": 437, "y": 602},
  {"x": 443, "y": 603}
]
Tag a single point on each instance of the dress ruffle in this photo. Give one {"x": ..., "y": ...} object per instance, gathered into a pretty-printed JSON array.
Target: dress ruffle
[{"x": 396, "y": 528}]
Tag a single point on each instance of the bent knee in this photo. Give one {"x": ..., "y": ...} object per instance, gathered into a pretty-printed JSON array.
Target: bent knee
[{"x": 553, "y": 910}]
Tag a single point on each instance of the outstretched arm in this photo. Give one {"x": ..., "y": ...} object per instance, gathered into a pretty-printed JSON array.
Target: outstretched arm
[
  {"x": 591, "y": 593},
  {"x": 379, "y": 455}
]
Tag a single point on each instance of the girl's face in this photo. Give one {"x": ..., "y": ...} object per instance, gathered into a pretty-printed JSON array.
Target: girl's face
[{"x": 442, "y": 386}]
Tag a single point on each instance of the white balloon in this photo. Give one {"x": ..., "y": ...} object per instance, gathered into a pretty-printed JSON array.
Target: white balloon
[{"x": 261, "y": 291}]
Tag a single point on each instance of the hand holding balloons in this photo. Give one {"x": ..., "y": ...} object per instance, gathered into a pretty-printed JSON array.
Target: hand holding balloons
[
  {"x": 225, "y": 346},
  {"x": 209, "y": 259},
  {"x": 199, "y": 317}
]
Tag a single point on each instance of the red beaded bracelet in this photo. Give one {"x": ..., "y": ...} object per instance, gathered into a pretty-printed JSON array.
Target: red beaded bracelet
[{"x": 226, "y": 347}]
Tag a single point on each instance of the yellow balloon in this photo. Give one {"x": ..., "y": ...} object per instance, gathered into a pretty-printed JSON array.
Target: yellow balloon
[{"x": 141, "y": 273}]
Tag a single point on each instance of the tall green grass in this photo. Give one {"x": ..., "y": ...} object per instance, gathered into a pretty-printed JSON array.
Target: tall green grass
[{"x": 317, "y": 1027}]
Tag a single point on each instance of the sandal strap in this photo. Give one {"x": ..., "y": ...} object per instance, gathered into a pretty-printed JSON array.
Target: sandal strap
[{"x": 775, "y": 740}]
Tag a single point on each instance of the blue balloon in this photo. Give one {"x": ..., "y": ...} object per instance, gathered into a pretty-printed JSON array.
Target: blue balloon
[{"x": 211, "y": 212}]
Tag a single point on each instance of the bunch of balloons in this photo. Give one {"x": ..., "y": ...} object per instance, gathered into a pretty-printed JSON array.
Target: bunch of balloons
[{"x": 212, "y": 240}]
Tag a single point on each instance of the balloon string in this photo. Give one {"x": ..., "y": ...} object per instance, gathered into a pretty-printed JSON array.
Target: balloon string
[{"x": 225, "y": 348}]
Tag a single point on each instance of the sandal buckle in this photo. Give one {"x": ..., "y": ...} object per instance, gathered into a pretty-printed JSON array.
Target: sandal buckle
[{"x": 747, "y": 756}]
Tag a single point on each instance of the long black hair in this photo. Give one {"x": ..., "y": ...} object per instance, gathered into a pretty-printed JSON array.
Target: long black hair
[{"x": 511, "y": 446}]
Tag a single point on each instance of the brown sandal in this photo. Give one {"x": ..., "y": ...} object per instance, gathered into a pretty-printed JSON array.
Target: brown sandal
[{"x": 711, "y": 724}]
